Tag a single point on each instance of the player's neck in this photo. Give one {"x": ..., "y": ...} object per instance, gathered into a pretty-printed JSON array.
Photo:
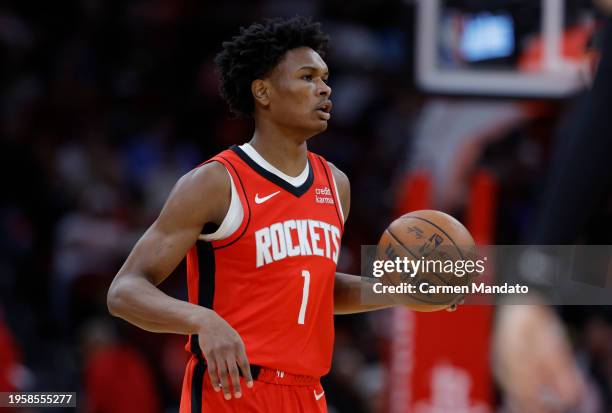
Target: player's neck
[{"x": 287, "y": 155}]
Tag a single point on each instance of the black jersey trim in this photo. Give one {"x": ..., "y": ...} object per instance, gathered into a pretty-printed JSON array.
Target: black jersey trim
[
  {"x": 197, "y": 383},
  {"x": 206, "y": 286},
  {"x": 206, "y": 266},
  {"x": 197, "y": 386},
  {"x": 195, "y": 347},
  {"x": 296, "y": 191}
]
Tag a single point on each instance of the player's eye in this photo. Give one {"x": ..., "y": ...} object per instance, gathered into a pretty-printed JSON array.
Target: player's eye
[{"x": 307, "y": 77}]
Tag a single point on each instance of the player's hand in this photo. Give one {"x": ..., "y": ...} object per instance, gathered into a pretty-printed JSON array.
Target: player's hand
[
  {"x": 453, "y": 307},
  {"x": 461, "y": 299},
  {"x": 224, "y": 351},
  {"x": 532, "y": 360}
]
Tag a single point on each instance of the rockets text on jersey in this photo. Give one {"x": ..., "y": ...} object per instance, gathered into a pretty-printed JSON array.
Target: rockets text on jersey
[
  {"x": 272, "y": 278},
  {"x": 276, "y": 242}
]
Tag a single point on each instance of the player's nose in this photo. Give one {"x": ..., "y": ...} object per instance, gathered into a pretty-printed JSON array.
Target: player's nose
[{"x": 325, "y": 89}]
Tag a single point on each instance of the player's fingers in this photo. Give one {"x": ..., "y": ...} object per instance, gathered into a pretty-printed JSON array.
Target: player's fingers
[
  {"x": 224, "y": 379},
  {"x": 235, "y": 377},
  {"x": 454, "y": 305},
  {"x": 245, "y": 367},
  {"x": 457, "y": 302},
  {"x": 213, "y": 374}
]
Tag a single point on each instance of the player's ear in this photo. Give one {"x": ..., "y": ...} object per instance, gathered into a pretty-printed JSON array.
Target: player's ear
[{"x": 261, "y": 92}]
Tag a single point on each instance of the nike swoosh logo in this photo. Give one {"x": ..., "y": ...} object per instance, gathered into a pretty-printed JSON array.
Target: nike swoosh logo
[
  {"x": 259, "y": 200},
  {"x": 318, "y": 396}
]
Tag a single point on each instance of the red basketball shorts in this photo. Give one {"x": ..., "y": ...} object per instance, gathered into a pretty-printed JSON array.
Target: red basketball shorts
[{"x": 273, "y": 391}]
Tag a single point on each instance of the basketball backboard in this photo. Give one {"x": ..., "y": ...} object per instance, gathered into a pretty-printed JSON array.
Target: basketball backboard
[{"x": 508, "y": 48}]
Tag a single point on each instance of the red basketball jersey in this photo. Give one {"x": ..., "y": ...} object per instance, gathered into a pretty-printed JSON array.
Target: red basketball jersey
[{"x": 272, "y": 279}]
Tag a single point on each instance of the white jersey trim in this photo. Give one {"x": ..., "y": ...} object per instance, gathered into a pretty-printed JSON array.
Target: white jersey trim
[
  {"x": 233, "y": 218},
  {"x": 340, "y": 206},
  {"x": 235, "y": 213}
]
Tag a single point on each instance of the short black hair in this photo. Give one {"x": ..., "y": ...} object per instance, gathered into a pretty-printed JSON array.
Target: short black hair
[{"x": 257, "y": 50}]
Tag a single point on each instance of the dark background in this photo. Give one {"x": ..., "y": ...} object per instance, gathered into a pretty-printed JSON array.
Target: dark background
[{"x": 105, "y": 104}]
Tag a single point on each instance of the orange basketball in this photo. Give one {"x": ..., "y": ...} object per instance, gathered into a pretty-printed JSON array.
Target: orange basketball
[{"x": 434, "y": 251}]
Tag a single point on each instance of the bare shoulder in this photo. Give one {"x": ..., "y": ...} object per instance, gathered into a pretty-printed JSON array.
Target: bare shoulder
[
  {"x": 202, "y": 194},
  {"x": 344, "y": 188},
  {"x": 341, "y": 178},
  {"x": 212, "y": 175}
]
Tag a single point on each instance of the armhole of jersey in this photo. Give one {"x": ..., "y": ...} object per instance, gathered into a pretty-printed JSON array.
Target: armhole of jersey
[
  {"x": 226, "y": 159},
  {"x": 336, "y": 195},
  {"x": 238, "y": 214},
  {"x": 233, "y": 218}
]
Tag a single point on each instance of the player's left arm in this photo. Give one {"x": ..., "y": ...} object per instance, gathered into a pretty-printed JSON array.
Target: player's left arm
[{"x": 348, "y": 288}]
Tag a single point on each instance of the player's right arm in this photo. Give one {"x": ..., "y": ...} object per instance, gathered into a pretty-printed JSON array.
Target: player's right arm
[{"x": 199, "y": 197}]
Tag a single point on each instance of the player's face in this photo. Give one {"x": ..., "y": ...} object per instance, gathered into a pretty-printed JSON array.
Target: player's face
[{"x": 299, "y": 94}]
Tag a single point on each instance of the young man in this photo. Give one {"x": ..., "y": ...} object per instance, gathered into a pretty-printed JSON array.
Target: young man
[{"x": 263, "y": 287}]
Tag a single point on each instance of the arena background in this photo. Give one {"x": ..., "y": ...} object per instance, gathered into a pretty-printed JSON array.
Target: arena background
[{"x": 105, "y": 104}]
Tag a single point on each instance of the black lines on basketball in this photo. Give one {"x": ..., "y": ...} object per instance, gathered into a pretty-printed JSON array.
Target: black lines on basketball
[
  {"x": 439, "y": 229},
  {"x": 418, "y": 279},
  {"x": 415, "y": 256},
  {"x": 424, "y": 245}
]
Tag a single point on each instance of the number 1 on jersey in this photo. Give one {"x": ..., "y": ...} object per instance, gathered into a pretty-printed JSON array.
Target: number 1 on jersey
[{"x": 302, "y": 315}]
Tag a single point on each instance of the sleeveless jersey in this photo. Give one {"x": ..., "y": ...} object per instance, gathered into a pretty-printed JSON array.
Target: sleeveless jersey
[{"x": 272, "y": 279}]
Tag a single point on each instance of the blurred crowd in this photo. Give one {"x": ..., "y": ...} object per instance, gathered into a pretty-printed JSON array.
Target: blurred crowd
[{"x": 105, "y": 104}]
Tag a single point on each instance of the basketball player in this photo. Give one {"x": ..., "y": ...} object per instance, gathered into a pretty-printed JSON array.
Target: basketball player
[
  {"x": 262, "y": 286},
  {"x": 532, "y": 356}
]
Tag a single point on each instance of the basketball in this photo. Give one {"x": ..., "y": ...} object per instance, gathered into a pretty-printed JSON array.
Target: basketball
[{"x": 439, "y": 247}]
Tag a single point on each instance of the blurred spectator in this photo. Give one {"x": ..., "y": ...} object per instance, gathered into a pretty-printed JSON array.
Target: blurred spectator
[
  {"x": 116, "y": 377},
  {"x": 541, "y": 375},
  {"x": 102, "y": 110},
  {"x": 10, "y": 360}
]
